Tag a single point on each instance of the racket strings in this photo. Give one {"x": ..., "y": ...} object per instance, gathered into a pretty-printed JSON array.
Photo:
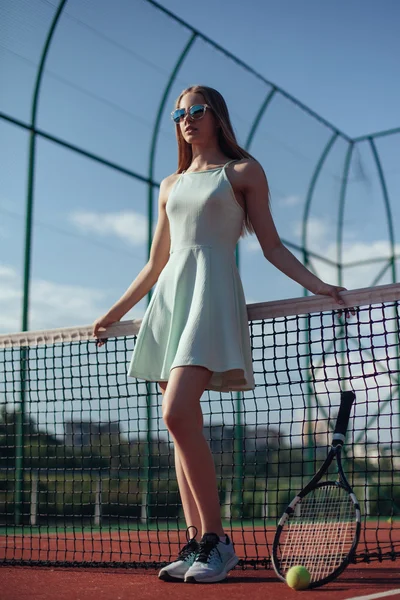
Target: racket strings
[{"x": 319, "y": 534}]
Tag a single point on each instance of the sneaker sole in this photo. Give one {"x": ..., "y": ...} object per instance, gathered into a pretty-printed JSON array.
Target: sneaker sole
[
  {"x": 167, "y": 577},
  {"x": 232, "y": 563}
]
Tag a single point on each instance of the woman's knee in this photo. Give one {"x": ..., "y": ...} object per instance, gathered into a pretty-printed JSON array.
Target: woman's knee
[
  {"x": 174, "y": 416},
  {"x": 173, "y": 420},
  {"x": 181, "y": 400},
  {"x": 177, "y": 417}
]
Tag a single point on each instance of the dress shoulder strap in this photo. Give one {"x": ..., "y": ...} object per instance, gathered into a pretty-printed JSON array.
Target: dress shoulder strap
[
  {"x": 230, "y": 161},
  {"x": 223, "y": 167}
]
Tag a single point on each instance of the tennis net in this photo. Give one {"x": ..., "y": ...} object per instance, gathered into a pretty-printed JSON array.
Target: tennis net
[{"x": 86, "y": 463}]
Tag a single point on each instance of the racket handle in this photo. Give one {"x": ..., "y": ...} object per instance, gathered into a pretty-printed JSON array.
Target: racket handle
[{"x": 346, "y": 402}]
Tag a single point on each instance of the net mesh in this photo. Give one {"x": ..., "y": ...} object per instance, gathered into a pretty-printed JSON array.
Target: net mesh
[{"x": 86, "y": 463}]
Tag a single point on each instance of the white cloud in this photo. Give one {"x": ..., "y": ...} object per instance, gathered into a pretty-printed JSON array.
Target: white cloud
[
  {"x": 319, "y": 240},
  {"x": 52, "y": 304},
  {"x": 10, "y": 299},
  {"x": 359, "y": 276},
  {"x": 129, "y": 226},
  {"x": 7, "y": 272},
  {"x": 58, "y": 304},
  {"x": 317, "y": 231},
  {"x": 292, "y": 200},
  {"x": 363, "y": 250},
  {"x": 250, "y": 243}
]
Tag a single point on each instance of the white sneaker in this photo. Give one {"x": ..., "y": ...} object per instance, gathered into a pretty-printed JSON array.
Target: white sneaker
[
  {"x": 177, "y": 570},
  {"x": 213, "y": 561}
]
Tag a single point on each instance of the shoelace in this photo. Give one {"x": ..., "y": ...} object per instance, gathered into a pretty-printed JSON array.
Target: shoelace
[
  {"x": 188, "y": 549},
  {"x": 191, "y": 546},
  {"x": 205, "y": 551}
]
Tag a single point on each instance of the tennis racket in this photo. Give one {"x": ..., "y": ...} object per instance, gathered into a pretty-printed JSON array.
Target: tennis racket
[{"x": 321, "y": 526}]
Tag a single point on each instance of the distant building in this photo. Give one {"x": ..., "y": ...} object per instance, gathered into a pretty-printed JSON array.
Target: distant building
[
  {"x": 321, "y": 435},
  {"x": 259, "y": 438},
  {"x": 83, "y": 433}
]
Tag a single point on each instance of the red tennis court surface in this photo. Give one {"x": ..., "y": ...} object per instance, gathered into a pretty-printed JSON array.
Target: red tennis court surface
[
  {"x": 366, "y": 581},
  {"x": 43, "y": 583}
]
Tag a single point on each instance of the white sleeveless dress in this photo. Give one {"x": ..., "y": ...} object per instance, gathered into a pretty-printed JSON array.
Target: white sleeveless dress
[{"x": 197, "y": 314}]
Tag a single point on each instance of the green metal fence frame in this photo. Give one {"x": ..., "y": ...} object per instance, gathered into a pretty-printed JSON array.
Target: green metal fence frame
[{"x": 271, "y": 91}]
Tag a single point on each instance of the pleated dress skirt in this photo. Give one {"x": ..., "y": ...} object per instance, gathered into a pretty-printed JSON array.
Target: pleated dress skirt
[{"x": 197, "y": 314}]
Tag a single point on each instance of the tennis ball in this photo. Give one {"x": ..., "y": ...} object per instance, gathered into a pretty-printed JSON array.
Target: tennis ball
[{"x": 298, "y": 578}]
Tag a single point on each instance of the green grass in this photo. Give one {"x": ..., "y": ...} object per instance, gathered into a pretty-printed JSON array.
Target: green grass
[{"x": 161, "y": 526}]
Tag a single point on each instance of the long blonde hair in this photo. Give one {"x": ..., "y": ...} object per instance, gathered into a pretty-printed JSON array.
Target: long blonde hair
[{"x": 226, "y": 136}]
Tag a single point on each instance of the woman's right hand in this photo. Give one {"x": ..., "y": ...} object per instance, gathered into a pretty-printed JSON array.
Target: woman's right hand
[{"x": 101, "y": 324}]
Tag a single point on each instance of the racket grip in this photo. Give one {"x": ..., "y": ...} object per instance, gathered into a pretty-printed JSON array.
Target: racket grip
[{"x": 346, "y": 402}]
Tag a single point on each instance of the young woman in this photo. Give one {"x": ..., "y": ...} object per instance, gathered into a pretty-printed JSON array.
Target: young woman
[{"x": 194, "y": 335}]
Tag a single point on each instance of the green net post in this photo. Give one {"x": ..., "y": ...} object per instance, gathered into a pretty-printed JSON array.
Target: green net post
[
  {"x": 147, "y": 460},
  {"x": 238, "y": 461},
  {"x": 20, "y": 444},
  {"x": 310, "y": 445},
  {"x": 307, "y": 431},
  {"x": 20, "y": 414},
  {"x": 238, "y": 444}
]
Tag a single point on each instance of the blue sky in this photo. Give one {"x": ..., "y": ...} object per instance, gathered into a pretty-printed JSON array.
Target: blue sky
[
  {"x": 106, "y": 71},
  {"x": 339, "y": 58}
]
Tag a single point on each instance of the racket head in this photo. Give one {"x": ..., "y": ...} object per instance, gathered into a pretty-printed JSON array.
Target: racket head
[{"x": 320, "y": 531}]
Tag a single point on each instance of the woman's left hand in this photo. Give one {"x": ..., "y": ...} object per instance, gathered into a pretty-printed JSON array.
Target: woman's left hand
[{"x": 332, "y": 290}]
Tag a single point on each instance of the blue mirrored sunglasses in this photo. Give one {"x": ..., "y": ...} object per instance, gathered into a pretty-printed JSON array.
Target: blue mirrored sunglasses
[{"x": 195, "y": 112}]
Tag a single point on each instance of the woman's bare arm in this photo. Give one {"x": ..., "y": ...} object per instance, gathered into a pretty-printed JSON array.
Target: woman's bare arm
[
  {"x": 159, "y": 255},
  {"x": 256, "y": 193}
]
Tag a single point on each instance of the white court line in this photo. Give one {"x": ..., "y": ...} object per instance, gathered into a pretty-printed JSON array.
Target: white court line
[{"x": 376, "y": 596}]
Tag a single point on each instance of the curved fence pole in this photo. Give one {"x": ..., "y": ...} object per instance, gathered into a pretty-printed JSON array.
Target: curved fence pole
[
  {"x": 20, "y": 412},
  {"x": 388, "y": 210},
  {"x": 31, "y": 171},
  {"x": 342, "y": 199},
  {"x": 391, "y": 238}
]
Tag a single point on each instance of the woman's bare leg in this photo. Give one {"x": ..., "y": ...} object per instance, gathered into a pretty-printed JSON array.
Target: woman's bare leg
[
  {"x": 181, "y": 404},
  {"x": 192, "y": 516}
]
